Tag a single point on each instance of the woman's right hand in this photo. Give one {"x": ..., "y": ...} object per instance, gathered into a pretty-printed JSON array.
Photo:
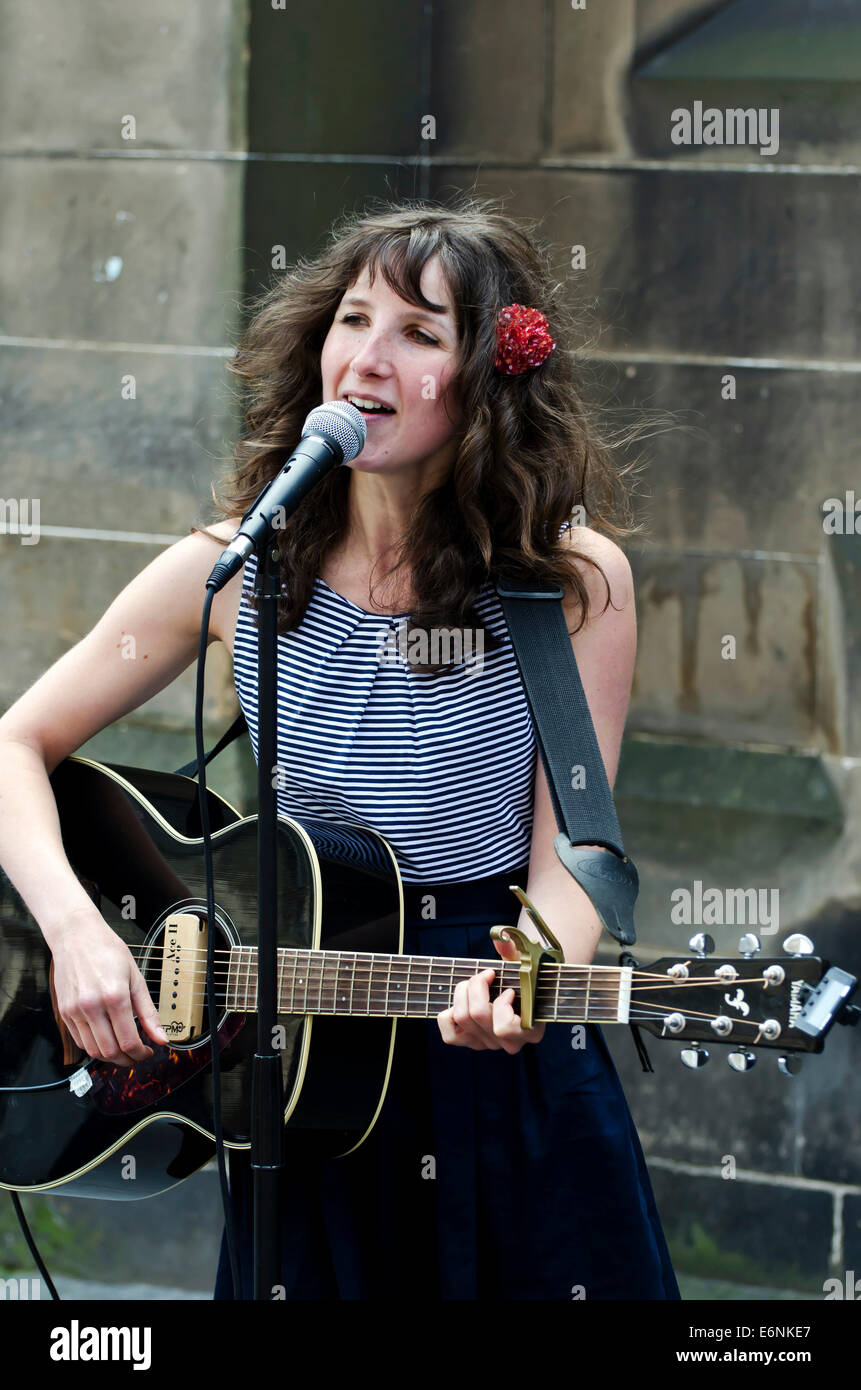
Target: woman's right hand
[{"x": 99, "y": 989}]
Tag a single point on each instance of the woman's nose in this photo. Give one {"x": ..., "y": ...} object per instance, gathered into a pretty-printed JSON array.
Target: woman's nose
[{"x": 374, "y": 354}]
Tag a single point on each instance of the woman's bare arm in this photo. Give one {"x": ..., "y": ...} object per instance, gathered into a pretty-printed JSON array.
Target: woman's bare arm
[{"x": 102, "y": 678}]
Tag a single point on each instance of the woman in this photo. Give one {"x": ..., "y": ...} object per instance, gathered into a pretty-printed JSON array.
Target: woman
[{"x": 504, "y": 1163}]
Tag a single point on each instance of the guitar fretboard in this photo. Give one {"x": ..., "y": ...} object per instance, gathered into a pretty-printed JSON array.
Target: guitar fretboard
[{"x": 394, "y": 986}]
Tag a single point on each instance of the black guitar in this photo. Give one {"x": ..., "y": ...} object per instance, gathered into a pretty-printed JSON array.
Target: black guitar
[{"x": 133, "y": 838}]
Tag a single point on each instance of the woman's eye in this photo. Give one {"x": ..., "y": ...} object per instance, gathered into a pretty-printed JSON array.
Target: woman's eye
[{"x": 432, "y": 342}]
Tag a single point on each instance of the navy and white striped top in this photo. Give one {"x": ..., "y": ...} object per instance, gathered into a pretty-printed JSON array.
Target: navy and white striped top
[{"x": 441, "y": 765}]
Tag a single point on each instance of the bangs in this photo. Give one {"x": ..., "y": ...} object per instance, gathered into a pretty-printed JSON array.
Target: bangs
[{"x": 402, "y": 259}]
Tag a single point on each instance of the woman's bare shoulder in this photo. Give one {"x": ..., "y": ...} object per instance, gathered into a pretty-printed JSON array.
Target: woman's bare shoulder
[
  {"x": 616, "y": 567},
  {"x": 223, "y": 530}
]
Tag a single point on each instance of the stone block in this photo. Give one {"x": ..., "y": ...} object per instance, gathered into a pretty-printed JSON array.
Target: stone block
[
  {"x": 337, "y": 80},
  {"x": 70, "y": 77},
  {"x": 592, "y": 47},
  {"x": 753, "y": 1233},
  {"x": 57, "y": 591},
  {"x": 487, "y": 80},
  {"x": 293, "y": 205},
  {"x": 121, "y": 250},
  {"x": 694, "y": 610},
  {"x": 759, "y": 55},
  {"x": 751, "y": 472},
  {"x": 700, "y": 262},
  {"x": 97, "y": 460}
]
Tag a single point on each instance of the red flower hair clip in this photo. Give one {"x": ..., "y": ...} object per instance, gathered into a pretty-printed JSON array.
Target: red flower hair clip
[{"x": 522, "y": 339}]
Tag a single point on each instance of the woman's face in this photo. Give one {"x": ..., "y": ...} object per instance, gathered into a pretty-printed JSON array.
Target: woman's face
[{"x": 380, "y": 348}]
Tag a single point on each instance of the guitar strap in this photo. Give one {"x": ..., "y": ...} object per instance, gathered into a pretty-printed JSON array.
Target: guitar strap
[
  {"x": 576, "y": 777},
  {"x": 237, "y": 727},
  {"x": 565, "y": 734}
]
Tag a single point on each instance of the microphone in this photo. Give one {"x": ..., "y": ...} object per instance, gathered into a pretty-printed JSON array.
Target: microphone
[{"x": 334, "y": 433}]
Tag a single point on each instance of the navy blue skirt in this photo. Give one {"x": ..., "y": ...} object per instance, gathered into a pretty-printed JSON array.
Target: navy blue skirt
[{"x": 487, "y": 1175}]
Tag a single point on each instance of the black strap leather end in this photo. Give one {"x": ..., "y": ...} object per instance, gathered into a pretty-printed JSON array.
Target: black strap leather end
[{"x": 610, "y": 882}]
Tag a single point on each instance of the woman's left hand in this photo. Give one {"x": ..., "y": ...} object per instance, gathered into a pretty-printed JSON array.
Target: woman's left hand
[{"x": 472, "y": 1021}]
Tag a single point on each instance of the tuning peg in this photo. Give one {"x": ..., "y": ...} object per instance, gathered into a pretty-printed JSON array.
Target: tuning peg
[
  {"x": 789, "y": 1063},
  {"x": 798, "y": 945},
  {"x": 694, "y": 1056},
  {"x": 702, "y": 944},
  {"x": 742, "y": 1061},
  {"x": 749, "y": 945}
]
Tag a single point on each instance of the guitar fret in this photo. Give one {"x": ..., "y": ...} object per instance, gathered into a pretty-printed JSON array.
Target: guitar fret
[
  {"x": 343, "y": 996},
  {"x": 588, "y": 987},
  {"x": 322, "y": 986},
  {"x": 368, "y": 966},
  {"x": 336, "y": 966},
  {"x": 292, "y": 1008},
  {"x": 228, "y": 997}
]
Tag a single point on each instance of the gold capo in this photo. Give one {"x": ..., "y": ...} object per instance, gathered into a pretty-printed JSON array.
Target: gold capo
[{"x": 531, "y": 954}]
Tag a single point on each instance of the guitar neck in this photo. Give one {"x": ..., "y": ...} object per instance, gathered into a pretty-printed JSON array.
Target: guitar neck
[{"x": 393, "y": 986}]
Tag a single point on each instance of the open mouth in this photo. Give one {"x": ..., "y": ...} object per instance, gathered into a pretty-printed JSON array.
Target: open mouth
[{"x": 370, "y": 408}]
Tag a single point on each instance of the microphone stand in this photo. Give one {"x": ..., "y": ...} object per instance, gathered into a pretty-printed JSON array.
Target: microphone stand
[
  {"x": 333, "y": 434},
  {"x": 267, "y": 1105}
]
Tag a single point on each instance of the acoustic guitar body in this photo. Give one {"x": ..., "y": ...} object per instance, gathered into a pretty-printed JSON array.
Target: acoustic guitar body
[{"x": 132, "y": 835}]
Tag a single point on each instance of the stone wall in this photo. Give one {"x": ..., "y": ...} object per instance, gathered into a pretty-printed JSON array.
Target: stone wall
[{"x": 121, "y": 263}]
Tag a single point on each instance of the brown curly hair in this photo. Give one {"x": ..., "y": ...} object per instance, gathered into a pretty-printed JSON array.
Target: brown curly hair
[{"x": 530, "y": 455}]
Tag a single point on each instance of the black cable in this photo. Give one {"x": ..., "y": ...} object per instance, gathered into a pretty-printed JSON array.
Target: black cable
[
  {"x": 229, "y": 1223},
  {"x": 33, "y": 1248}
]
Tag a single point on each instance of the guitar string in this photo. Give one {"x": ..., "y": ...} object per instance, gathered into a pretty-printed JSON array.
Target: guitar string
[
  {"x": 569, "y": 998},
  {"x": 362, "y": 975},
  {"x": 637, "y": 1008},
  {"x": 643, "y": 1011},
  {"x": 375, "y": 960},
  {"x": 442, "y": 975}
]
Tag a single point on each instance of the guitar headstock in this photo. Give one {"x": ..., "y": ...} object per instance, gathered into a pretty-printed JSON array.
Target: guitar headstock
[{"x": 783, "y": 1003}]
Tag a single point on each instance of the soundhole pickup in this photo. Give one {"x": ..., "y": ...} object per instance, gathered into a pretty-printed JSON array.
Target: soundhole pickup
[{"x": 181, "y": 996}]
